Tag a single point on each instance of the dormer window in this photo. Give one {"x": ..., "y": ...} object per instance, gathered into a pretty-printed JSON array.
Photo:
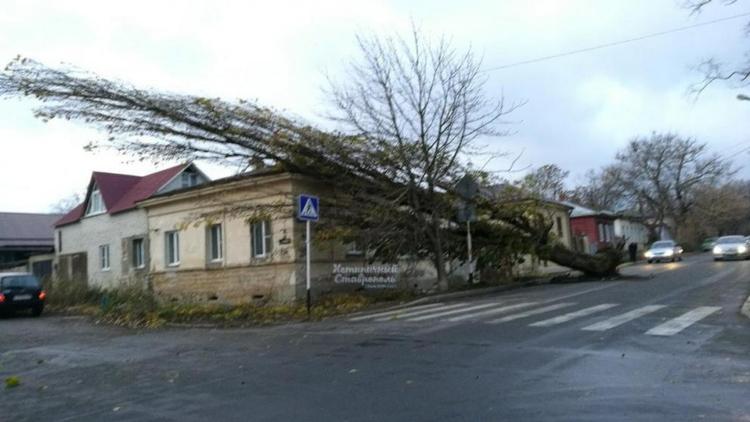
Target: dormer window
[
  {"x": 96, "y": 203},
  {"x": 189, "y": 179}
]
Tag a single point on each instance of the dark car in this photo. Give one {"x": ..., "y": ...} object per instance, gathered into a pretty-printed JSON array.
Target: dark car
[{"x": 21, "y": 291}]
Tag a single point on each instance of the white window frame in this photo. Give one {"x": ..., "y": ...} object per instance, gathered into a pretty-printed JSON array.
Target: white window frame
[
  {"x": 188, "y": 179},
  {"x": 174, "y": 250},
  {"x": 96, "y": 203},
  {"x": 104, "y": 262},
  {"x": 139, "y": 253},
  {"x": 216, "y": 235},
  {"x": 266, "y": 235}
]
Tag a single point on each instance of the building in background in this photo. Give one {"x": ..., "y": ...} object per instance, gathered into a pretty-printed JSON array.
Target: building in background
[
  {"x": 631, "y": 229},
  {"x": 104, "y": 240},
  {"x": 26, "y": 237},
  {"x": 592, "y": 229}
]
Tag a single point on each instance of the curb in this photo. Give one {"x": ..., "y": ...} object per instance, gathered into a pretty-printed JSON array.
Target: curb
[{"x": 746, "y": 308}]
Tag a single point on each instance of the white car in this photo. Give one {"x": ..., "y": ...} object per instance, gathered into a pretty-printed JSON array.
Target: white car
[
  {"x": 664, "y": 250},
  {"x": 731, "y": 247}
]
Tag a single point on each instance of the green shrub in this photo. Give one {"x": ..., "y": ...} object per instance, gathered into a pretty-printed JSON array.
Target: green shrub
[
  {"x": 132, "y": 306},
  {"x": 66, "y": 294}
]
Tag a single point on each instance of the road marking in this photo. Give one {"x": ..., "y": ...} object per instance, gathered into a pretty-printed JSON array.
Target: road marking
[
  {"x": 573, "y": 315},
  {"x": 622, "y": 319},
  {"x": 531, "y": 313},
  {"x": 452, "y": 312},
  {"x": 674, "y": 326},
  {"x": 595, "y": 289},
  {"x": 408, "y": 313},
  {"x": 499, "y": 310},
  {"x": 380, "y": 314}
]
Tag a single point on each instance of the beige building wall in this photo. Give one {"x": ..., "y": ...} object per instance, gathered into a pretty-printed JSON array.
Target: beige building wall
[
  {"x": 238, "y": 274},
  {"x": 239, "y": 277}
]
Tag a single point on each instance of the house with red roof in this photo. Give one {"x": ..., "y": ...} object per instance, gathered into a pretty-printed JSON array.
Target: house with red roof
[
  {"x": 592, "y": 229},
  {"x": 104, "y": 240}
]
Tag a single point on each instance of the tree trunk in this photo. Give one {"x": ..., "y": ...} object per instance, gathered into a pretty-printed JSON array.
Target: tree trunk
[
  {"x": 603, "y": 264},
  {"x": 438, "y": 257}
]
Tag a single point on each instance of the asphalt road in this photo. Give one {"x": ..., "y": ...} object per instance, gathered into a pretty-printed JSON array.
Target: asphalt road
[{"x": 670, "y": 345}]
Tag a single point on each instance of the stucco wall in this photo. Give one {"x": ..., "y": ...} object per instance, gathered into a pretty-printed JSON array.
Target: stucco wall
[
  {"x": 90, "y": 232},
  {"x": 191, "y": 215},
  {"x": 240, "y": 277}
]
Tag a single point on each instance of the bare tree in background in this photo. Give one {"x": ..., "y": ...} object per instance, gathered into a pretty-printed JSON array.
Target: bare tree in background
[
  {"x": 719, "y": 210},
  {"x": 545, "y": 182},
  {"x": 423, "y": 106},
  {"x": 662, "y": 173},
  {"x": 601, "y": 191},
  {"x": 65, "y": 205}
]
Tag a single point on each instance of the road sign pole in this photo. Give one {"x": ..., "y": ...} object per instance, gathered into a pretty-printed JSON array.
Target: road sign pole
[
  {"x": 307, "y": 266},
  {"x": 307, "y": 211}
]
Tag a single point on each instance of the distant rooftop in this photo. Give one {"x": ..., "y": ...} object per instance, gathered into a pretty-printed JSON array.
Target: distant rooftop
[
  {"x": 581, "y": 211},
  {"x": 27, "y": 230}
]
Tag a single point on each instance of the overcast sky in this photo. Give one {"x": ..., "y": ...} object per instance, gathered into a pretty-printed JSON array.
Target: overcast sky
[{"x": 580, "y": 108}]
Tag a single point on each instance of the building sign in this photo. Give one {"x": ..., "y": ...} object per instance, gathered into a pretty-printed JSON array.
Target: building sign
[{"x": 381, "y": 276}]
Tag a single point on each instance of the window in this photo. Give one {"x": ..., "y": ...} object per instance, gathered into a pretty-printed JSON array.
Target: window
[
  {"x": 189, "y": 179},
  {"x": 559, "y": 227},
  {"x": 172, "y": 244},
  {"x": 260, "y": 234},
  {"x": 215, "y": 247},
  {"x": 96, "y": 204},
  {"x": 139, "y": 260},
  {"x": 22, "y": 281},
  {"x": 59, "y": 241},
  {"x": 104, "y": 257}
]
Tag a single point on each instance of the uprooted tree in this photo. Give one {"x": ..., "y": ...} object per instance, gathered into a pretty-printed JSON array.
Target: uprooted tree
[{"x": 412, "y": 112}]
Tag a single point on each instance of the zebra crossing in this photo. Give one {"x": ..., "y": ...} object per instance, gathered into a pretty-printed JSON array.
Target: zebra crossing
[{"x": 545, "y": 315}]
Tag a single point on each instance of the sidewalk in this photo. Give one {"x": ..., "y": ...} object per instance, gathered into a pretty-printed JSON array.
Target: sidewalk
[{"x": 746, "y": 308}]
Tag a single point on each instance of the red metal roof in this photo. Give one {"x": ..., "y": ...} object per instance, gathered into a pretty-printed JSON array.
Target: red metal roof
[{"x": 120, "y": 192}]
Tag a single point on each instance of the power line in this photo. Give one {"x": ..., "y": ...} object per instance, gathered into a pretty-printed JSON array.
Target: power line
[{"x": 616, "y": 43}]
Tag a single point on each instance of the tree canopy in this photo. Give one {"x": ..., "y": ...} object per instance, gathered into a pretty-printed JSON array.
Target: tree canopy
[{"x": 411, "y": 112}]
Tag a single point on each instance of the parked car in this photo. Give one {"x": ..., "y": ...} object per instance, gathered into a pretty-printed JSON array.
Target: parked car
[
  {"x": 664, "y": 250},
  {"x": 21, "y": 291},
  {"x": 708, "y": 244},
  {"x": 731, "y": 247}
]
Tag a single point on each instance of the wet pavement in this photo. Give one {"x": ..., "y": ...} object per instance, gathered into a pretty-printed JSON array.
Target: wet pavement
[{"x": 669, "y": 344}]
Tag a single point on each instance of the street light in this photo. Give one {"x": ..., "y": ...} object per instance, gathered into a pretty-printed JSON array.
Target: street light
[{"x": 743, "y": 97}]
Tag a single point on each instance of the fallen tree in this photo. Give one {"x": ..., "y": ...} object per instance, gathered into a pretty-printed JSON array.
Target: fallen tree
[{"x": 407, "y": 209}]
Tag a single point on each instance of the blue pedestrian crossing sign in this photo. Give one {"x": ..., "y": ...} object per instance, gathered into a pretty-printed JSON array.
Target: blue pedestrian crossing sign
[{"x": 307, "y": 208}]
